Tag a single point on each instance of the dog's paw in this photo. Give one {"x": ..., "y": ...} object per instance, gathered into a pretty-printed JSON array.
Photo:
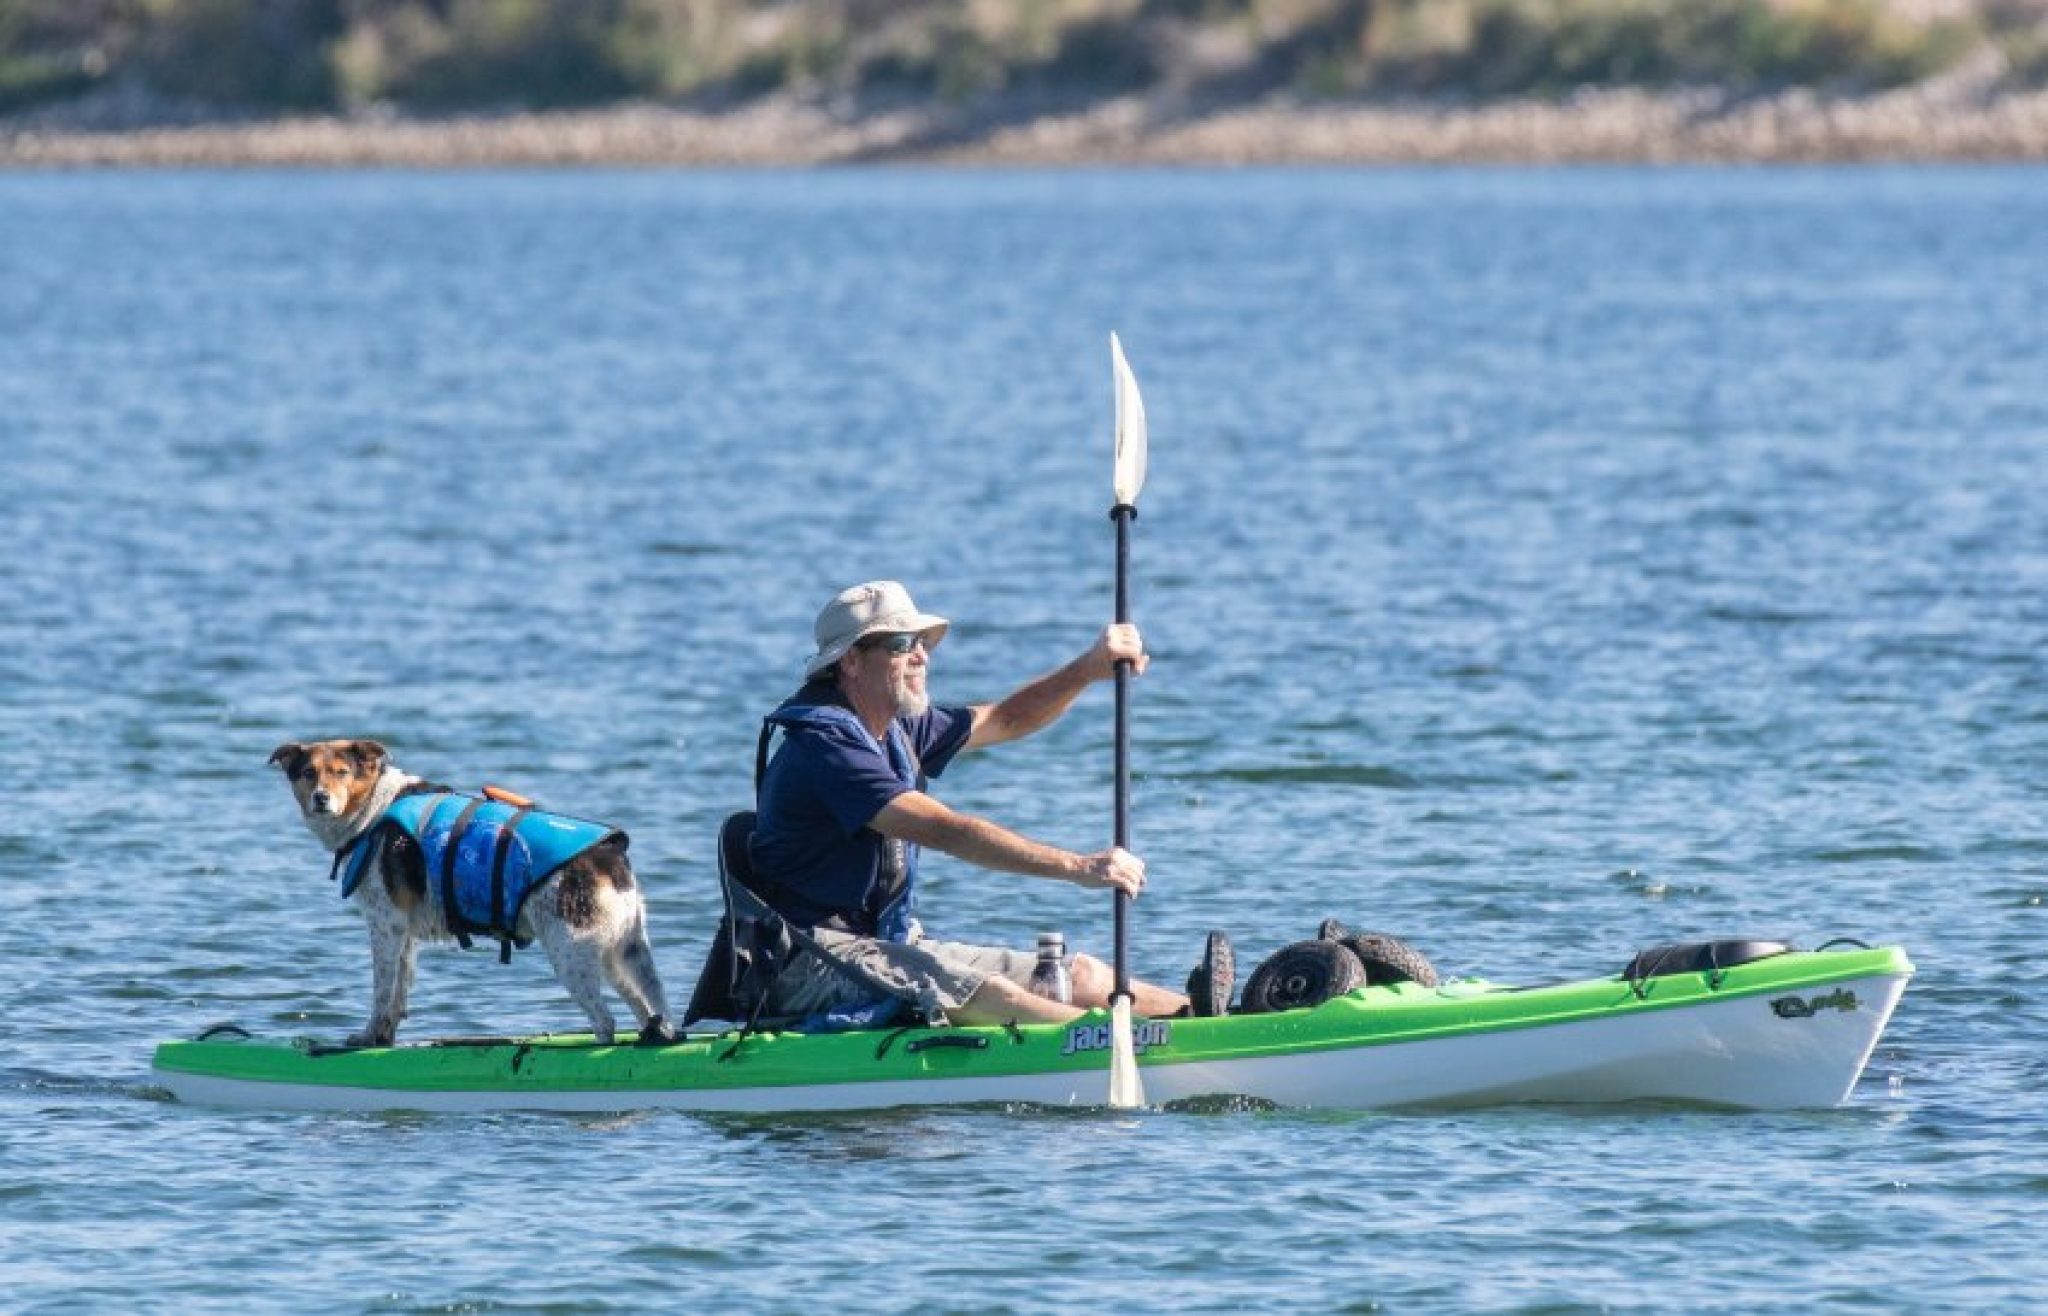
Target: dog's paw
[{"x": 372, "y": 1036}]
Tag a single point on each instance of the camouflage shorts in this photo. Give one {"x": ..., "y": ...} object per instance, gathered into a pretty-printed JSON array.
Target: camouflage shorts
[{"x": 938, "y": 976}]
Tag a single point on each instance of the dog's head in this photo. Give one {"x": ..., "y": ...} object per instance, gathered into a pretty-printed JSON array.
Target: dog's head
[{"x": 331, "y": 778}]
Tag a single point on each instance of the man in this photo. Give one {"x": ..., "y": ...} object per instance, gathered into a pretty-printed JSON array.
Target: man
[{"x": 843, "y": 814}]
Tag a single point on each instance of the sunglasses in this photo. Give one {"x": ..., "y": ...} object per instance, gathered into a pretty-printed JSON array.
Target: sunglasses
[{"x": 900, "y": 642}]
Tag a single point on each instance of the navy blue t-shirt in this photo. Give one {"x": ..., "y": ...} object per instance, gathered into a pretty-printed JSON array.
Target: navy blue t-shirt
[{"x": 813, "y": 852}]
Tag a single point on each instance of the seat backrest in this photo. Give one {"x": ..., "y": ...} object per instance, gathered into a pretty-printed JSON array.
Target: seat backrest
[
  {"x": 735, "y": 863},
  {"x": 754, "y": 943},
  {"x": 744, "y": 904},
  {"x": 739, "y": 966}
]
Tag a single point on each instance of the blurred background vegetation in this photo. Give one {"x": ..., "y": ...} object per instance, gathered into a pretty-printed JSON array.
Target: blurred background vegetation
[{"x": 434, "y": 56}]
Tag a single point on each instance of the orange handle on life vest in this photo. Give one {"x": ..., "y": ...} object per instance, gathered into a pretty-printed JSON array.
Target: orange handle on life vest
[{"x": 503, "y": 796}]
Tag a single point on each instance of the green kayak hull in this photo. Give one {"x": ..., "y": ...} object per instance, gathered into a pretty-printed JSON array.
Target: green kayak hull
[{"x": 1788, "y": 1031}]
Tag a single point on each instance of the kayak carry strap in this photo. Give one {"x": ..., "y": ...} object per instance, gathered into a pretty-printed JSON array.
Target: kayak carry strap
[
  {"x": 963, "y": 1041},
  {"x": 971, "y": 1043},
  {"x": 746, "y": 1030}
]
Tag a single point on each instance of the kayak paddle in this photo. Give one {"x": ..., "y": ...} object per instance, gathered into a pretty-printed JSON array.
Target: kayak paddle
[{"x": 1125, "y": 1091}]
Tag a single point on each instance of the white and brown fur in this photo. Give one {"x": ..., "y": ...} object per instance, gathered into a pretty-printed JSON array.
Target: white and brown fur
[{"x": 589, "y": 916}]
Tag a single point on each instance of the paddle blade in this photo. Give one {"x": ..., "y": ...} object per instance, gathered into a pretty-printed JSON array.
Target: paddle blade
[
  {"x": 1130, "y": 428},
  {"x": 1125, "y": 1091}
]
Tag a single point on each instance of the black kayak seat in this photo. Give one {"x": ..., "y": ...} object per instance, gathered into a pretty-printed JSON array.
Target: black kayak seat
[
  {"x": 735, "y": 858},
  {"x": 741, "y": 964},
  {"x": 754, "y": 943}
]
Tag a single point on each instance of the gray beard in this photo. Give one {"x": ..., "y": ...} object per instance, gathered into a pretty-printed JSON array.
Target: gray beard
[{"x": 908, "y": 704}]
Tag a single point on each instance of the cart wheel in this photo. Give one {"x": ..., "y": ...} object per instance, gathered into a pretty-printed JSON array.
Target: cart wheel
[
  {"x": 1389, "y": 960},
  {"x": 1303, "y": 974},
  {"x": 1209, "y": 986}
]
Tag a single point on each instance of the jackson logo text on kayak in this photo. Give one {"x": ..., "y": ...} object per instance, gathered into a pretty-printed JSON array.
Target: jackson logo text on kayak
[
  {"x": 1145, "y": 1033},
  {"x": 1791, "y": 1007}
]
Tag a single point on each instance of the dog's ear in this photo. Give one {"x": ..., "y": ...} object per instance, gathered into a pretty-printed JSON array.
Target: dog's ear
[
  {"x": 290, "y": 755},
  {"x": 370, "y": 756}
]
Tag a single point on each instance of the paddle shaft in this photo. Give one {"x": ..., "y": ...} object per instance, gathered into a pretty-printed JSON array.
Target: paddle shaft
[{"x": 1123, "y": 514}]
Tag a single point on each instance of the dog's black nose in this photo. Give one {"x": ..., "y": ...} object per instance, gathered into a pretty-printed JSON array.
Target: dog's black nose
[{"x": 320, "y": 799}]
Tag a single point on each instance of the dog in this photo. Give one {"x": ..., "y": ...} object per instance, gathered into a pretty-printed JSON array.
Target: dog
[{"x": 587, "y": 912}]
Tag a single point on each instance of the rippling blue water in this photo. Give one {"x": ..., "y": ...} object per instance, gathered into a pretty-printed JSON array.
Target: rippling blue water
[{"x": 1539, "y": 565}]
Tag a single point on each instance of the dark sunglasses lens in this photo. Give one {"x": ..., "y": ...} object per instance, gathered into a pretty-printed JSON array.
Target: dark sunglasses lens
[{"x": 902, "y": 643}]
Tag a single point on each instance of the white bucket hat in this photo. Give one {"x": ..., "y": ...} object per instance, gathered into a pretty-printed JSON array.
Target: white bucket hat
[{"x": 876, "y": 608}]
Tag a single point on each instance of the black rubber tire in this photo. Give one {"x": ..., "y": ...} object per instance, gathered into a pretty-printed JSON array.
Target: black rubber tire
[
  {"x": 1303, "y": 974},
  {"x": 1390, "y": 960},
  {"x": 1210, "y": 985}
]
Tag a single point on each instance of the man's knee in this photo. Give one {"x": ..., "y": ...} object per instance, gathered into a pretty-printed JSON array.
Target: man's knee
[
  {"x": 998, "y": 1000},
  {"x": 1091, "y": 978},
  {"x": 994, "y": 990}
]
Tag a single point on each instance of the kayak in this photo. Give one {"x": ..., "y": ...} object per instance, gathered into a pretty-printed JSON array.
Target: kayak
[{"x": 1790, "y": 1030}]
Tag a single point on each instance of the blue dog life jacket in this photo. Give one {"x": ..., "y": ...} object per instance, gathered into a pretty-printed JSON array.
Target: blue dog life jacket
[{"x": 483, "y": 856}]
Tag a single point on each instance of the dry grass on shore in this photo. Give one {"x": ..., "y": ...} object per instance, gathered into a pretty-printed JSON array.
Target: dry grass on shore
[
  {"x": 1965, "y": 115},
  {"x": 629, "y": 82}
]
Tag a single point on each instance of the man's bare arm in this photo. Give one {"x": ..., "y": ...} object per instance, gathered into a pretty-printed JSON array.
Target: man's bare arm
[
  {"x": 918, "y": 818},
  {"x": 1039, "y": 703}
]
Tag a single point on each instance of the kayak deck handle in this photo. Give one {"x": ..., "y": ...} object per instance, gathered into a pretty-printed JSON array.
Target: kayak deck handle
[{"x": 916, "y": 1045}]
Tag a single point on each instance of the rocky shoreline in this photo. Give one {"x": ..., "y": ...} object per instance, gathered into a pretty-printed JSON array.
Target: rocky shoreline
[{"x": 1967, "y": 115}]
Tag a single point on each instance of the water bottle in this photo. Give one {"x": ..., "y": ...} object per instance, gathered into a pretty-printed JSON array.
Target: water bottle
[{"x": 1049, "y": 979}]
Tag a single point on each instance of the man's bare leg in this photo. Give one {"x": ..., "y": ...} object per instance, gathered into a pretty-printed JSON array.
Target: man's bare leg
[
  {"x": 1094, "y": 980},
  {"x": 1000, "y": 1001}
]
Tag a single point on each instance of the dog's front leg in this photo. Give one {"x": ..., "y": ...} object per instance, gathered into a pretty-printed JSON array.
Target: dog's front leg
[{"x": 391, "y": 957}]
